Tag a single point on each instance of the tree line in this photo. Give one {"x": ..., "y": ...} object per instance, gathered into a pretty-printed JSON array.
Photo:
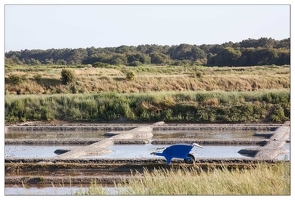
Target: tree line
[{"x": 249, "y": 52}]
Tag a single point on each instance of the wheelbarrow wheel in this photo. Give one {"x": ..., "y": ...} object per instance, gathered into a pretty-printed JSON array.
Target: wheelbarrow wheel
[{"x": 191, "y": 160}]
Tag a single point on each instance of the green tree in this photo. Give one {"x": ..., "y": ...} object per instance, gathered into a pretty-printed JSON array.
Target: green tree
[
  {"x": 118, "y": 59},
  {"x": 266, "y": 56},
  {"x": 158, "y": 58},
  {"x": 138, "y": 57},
  {"x": 227, "y": 57},
  {"x": 283, "y": 57},
  {"x": 61, "y": 62},
  {"x": 181, "y": 52},
  {"x": 197, "y": 53},
  {"x": 33, "y": 61},
  {"x": 248, "y": 57},
  {"x": 13, "y": 60},
  {"x": 76, "y": 56}
]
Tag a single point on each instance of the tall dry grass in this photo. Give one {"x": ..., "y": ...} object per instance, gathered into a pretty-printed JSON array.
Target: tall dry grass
[
  {"x": 152, "y": 78},
  {"x": 261, "y": 179}
]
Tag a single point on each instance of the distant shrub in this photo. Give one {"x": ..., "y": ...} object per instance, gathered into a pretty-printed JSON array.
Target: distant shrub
[
  {"x": 101, "y": 65},
  {"x": 67, "y": 76},
  {"x": 16, "y": 79},
  {"x": 135, "y": 63},
  {"x": 130, "y": 75}
]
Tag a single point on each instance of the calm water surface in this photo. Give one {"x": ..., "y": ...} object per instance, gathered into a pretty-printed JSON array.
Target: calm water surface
[
  {"x": 122, "y": 151},
  {"x": 58, "y": 190}
]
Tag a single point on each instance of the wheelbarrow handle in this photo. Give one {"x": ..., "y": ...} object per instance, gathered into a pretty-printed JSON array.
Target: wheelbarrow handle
[{"x": 197, "y": 145}]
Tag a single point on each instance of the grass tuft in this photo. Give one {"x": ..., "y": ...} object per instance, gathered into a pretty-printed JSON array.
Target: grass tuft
[{"x": 260, "y": 179}]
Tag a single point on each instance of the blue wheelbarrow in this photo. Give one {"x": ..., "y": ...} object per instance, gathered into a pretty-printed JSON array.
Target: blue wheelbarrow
[{"x": 178, "y": 151}]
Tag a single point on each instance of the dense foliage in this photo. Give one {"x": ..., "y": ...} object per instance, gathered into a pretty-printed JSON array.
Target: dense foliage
[
  {"x": 250, "y": 52},
  {"x": 217, "y": 106}
]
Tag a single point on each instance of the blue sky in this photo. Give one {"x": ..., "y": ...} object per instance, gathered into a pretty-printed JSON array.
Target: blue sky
[{"x": 81, "y": 26}]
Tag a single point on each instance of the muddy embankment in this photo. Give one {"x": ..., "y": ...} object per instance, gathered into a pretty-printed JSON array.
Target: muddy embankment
[
  {"x": 273, "y": 147},
  {"x": 72, "y": 168},
  {"x": 32, "y": 126},
  {"x": 104, "y": 171}
]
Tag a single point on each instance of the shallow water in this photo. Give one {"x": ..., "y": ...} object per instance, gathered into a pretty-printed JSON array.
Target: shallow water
[
  {"x": 122, "y": 151},
  {"x": 144, "y": 151},
  {"x": 57, "y": 190},
  {"x": 32, "y": 151},
  {"x": 43, "y": 191}
]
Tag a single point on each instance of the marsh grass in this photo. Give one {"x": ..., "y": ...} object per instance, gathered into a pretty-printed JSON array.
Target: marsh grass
[
  {"x": 212, "y": 106},
  {"x": 93, "y": 189},
  {"x": 260, "y": 179}
]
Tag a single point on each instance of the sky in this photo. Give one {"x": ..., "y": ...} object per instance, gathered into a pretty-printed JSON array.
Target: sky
[{"x": 32, "y": 26}]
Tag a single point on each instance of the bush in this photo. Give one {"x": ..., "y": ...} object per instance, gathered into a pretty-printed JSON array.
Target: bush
[
  {"x": 130, "y": 76},
  {"x": 100, "y": 65},
  {"x": 135, "y": 63},
  {"x": 278, "y": 114},
  {"x": 67, "y": 76},
  {"x": 16, "y": 79}
]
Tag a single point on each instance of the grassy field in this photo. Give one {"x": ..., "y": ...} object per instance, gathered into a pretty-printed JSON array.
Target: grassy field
[
  {"x": 261, "y": 179},
  {"x": 170, "y": 93},
  {"x": 46, "y": 79}
]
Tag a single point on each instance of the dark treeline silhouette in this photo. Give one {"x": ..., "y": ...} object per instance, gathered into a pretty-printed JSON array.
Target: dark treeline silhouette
[{"x": 249, "y": 52}]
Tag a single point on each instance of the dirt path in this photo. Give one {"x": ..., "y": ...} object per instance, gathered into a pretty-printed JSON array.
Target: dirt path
[{"x": 101, "y": 147}]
